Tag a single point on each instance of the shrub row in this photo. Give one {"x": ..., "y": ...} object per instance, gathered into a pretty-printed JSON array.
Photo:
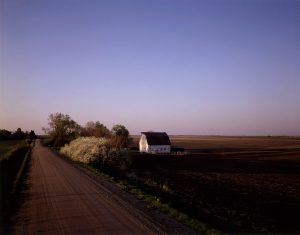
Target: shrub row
[{"x": 93, "y": 150}]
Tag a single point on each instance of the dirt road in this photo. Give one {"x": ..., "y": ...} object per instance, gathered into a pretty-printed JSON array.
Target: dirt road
[{"x": 60, "y": 199}]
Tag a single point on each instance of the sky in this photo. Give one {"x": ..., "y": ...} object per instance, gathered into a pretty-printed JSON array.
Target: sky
[{"x": 215, "y": 67}]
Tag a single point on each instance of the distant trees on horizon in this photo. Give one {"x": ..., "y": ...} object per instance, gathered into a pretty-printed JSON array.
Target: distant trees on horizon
[{"x": 16, "y": 135}]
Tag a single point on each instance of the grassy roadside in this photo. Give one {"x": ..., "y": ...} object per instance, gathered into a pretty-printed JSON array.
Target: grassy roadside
[
  {"x": 21, "y": 173},
  {"x": 7, "y": 146},
  {"x": 13, "y": 167}
]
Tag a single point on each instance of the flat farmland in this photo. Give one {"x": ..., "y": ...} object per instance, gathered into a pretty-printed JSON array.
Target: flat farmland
[
  {"x": 234, "y": 184},
  {"x": 8, "y": 145}
]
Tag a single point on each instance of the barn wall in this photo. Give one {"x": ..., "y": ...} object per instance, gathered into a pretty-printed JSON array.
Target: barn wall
[
  {"x": 159, "y": 149},
  {"x": 143, "y": 145}
]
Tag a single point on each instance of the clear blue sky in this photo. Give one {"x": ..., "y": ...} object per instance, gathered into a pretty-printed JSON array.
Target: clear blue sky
[{"x": 186, "y": 67}]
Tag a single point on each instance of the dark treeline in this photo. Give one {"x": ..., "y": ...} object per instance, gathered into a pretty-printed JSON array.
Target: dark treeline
[
  {"x": 16, "y": 135},
  {"x": 62, "y": 129}
]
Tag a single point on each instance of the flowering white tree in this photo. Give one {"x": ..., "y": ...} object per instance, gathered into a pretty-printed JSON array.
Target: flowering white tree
[{"x": 93, "y": 150}]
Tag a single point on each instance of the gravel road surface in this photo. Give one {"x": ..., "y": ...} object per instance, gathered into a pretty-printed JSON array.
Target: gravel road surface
[{"x": 61, "y": 199}]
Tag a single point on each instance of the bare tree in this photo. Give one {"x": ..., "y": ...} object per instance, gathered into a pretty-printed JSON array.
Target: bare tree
[
  {"x": 120, "y": 136},
  {"x": 96, "y": 129},
  {"x": 62, "y": 129}
]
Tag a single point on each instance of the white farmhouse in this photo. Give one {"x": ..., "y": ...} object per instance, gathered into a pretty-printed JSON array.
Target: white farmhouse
[{"x": 155, "y": 142}]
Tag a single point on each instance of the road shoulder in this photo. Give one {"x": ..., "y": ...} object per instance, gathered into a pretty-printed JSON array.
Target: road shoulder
[{"x": 152, "y": 217}]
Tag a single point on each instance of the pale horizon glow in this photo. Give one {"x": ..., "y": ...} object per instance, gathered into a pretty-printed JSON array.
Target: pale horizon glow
[{"x": 185, "y": 67}]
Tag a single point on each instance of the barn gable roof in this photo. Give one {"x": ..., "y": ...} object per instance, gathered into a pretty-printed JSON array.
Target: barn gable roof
[{"x": 157, "y": 138}]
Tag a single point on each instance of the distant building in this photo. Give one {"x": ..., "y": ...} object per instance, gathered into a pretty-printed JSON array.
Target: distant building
[{"x": 155, "y": 142}]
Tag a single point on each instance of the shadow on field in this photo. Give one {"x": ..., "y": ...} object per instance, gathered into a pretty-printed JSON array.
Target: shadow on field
[
  {"x": 20, "y": 199},
  {"x": 233, "y": 190},
  {"x": 216, "y": 163},
  {"x": 12, "y": 194}
]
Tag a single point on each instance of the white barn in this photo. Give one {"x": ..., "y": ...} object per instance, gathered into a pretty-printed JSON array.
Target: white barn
[{"x": 155, "y": 142}]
